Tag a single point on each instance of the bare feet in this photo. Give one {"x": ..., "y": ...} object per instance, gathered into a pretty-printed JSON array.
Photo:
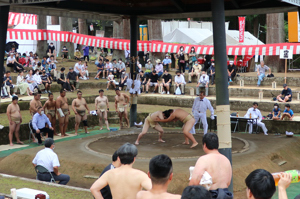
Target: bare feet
[
  {"x": 66, "y": 134},
  {"x": 108, "y": 129},
  {"x": 100, "y": 128},
  {"x": 194, "y": 145},
  {"x": 186, "y": 143},
  {"x": 136, "y": 143},
  {"x": 76, "y": 134},
  {"x": 56, "y": 134},
  {"x": 11, "y": 144},
  {"x": 160, "y": 140},
  {"x": 20, "y": 143},
  {"x": 87, "y": 132}
]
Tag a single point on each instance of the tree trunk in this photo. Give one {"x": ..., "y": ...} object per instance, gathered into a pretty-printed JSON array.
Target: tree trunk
[
  {"x": 275, "y": 34},
  {"x": 42, "y": 45},
  {"x": 121, "y": 31},
  {"x": 155, "y": 33},
  {"x": 83, "y": 29},
  {"x": 54, "y": 20},
  {"x": 66, "y": 25},
  {"x": 255, "y": 33}
]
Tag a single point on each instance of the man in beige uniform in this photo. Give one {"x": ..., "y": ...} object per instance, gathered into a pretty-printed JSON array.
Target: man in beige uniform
[
  {"x": 150, "y": 122},
  {"x": 216, "y": 165},
  {"x": 50, "y": 108},
  {"x": 63, "y": 112},
  {"x": 121, "y": 101},
  {"x": 187, "y": 120},
  {"x": 102, "y": 107},
  {"x": 35, "y": 103},
  {"x": 124, "y": 181},
  {"x": 15, "y": 119},
  {"x": 80, "y": 107}
]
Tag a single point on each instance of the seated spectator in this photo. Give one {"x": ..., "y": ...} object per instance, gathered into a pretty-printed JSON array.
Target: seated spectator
[
  {"x": 48, "y": 159},
  {"x": 13, "y": 50},
  {"x": 62, "y": 80},
  {"x": 195, "y": 71},
  {"x": 38, "y": 80},
  {"x": 77, "y": 54},
  {"x": 255, "y": 113},
  {"x": 12, "y": 62},
  {"x": 120, "y": 184},
  {"x": 276, "y": 113},
  {"x": 50, "y": 59},
  {"x": 51, "y": 51},
  {"x": 212, "y": 73},
  {"x": 23, "y": 85},
  {"x": 46, "y": 81},
  {"x": 148, "y": 68},
  {"x": 231, "y": 71},
  {"x": 166, "y": 82},
  {"x": 38, "y": 67},
  {"x": 77, "y": 67},
  {"x": 110, "y": 80},
  {"x": 286, "y": 94},
  {"x": 159, "y": 68},
  {"x": 39, "y": 122},
  {"x": 35, "y": 62},
  {"x": 143, "y": 81},
  {"x": 123, "y": 80},
  {"x": 64, "y": 53},
  {"x": 288, "y": 113},
  {"x": 51, "y": 70},
  {"x": 167, "y": 62},
  {"x": 100, "y": 69},
  {"x": 261, "y": 71},
  {"x": 152, "y": 81},
  {"x": 84, "y": 72},
  {"x": 203, "y": 83},
  {"x": 44, "y": 62},
  {"x": 161, "y": 174},
  {"x": 72, "y": 79},
  {"x": 179, "y": 82},
  {"x": 114, "y": 63},
  {"x": 8, "y": 84},
  {"x": 31, "y": 80},
  {"x": 195, "y": 192},
  {"x": 4, "y": 93},
  {"x": 120, "y": 67},
  {"x": 108, "y": 67}
]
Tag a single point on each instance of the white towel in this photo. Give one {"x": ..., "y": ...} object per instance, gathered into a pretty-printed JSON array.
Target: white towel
[{"x": 206, "y": 180}]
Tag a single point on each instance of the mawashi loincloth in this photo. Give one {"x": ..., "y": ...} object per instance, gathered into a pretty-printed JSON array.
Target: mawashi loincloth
[
  {"x": 102, "y": 108},
  {"x": 189, "y": 117},
  {"x": 51, "y": 112},
  {"x": 17, "y": 120},
  {"x": 121, "y": 108},
  {"x": 65, "y": 111},
  {"x": 151, "y": 122},
  {"x": 80, "y": 112}
]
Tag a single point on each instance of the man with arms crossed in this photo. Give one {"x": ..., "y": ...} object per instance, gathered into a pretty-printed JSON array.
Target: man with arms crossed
[
  {"x": 102, "y": 107},
  {"x": 63, "y": 112},
  {"x": 50, "y": 105},
  {"x": 121, "y": 101},
  {"x": 217, "y": 166},
  {"x": 124, "y": 182},
  {"x": 15, "y": 119},
  {"x": 150, "y": 122},
  {"x": 80, "y": 107},
  {"x": 161, "y": 173}
]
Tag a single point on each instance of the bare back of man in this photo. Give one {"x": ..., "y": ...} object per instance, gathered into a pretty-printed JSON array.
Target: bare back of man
[
  {"x": 50, "y": 109},
  {"x": 150, "y": 121},
  {"x": 79, "y": 106},
  {"x": 153, "y": 195},
  {"x": 62, "y": 103},
  {"x": 101, "y": 105},
  {"x": 121, "y": 107},
  {"x": 15, "y": 120}
]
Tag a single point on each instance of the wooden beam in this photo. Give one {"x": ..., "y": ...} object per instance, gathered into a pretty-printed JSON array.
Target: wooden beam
[
  {"x": 236, "y": 5},
  {"x": 178, "y": 4}
]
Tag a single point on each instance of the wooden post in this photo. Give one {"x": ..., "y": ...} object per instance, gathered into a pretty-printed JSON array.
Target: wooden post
[
  {"x": 42, "y": 44},
  {"x": 261, "y": 95},
  {"x": 192, "y": 91},
  {"x": 274, "y": 85},
  {"x": 285, "y": 71},
  {"x": 241, "y": 83}
]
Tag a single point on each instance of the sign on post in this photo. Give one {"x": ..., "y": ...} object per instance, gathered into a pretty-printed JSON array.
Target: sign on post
[{"x": 286, "y": 54}]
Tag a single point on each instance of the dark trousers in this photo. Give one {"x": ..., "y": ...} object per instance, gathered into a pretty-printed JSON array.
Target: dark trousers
[
  {"x": 43, "y": 130},
  {"x": 213, "y": 78},
  {"x": 166, "y": 66},
  {"x": 86, "y": 56},
  {"x": 232, "y": 76},
  {"x": 181, "y": 67},
  {"x": 62, "y": 178},
  {"x": 65, "y": 85}
]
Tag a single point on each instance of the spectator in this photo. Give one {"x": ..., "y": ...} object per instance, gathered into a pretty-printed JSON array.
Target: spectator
[
  {"x": 12, "y": 62},
  {"x": 120, "y": 67},
  {"x": 195, "y": 192},
  {"x": 46, "y": 82},
  {"x": 23, "y": 85},
  {"x": 100, "y": 68},
  {"x": 48, "y": 159},
  {"x": 72, "y": 79},
  {"x": 179, "y": 82},
  {"x": 207, "y": 62},
  {"x": 276, "y": 112},
  {"x": 105, "y": 192},
  {"x": 167, "y": 62},
  {"x": 4, "y": 93},
  {"x": 8, "y": 83},
  {"x": 143, "y": 81},
  {"x": 108, "y": 67},
  {"x": 195, "y": 71},
  {"x": 148, "y": 68},
  {"x": 39, "y": 121},
  {"x": 127, "y": 55},
  {"x": 255, "y": 113},
  {"x": 52, "y": 69},
  {"x": 261, "y": 70},
  {"x": 86, "y": 53},
  {"x": 286, "y": 94},
  {"x": 288, "y": 113},
  {"x": 128, "y": 187},
  {"x": 38, "y": 80},
  {"x": 161, "y": 174},
  {"x": 159, "y": 68},
  {"x": 50, "y": 59},
  {"x": 77, "y": 54},
  {"x": 123, "y": 80},
  {"x": 192, "y": 57},
  {"x": 231, "y": 71},
  {"x": 110, "y": 80},
  {"x": 64, "y": 53},
  {"x": 216, "y": 165},
  {"x": 77, "y": 67},
  {"x": 84, "y": 72},
  {"x": 35, "y": 62},
  {"x": 39, "y": 67},
  {"x": 31, "y": 80},
  {"x": 212, "y": 73},
  {"x": 114, "y": 63},
  {"x": 44, "y": 62},
  {"x": 181, "y": 59},
  {"x": 13, "y": 50},
  {"x": 203, "y": 83},
  {"x": 102, "y": 55},
  {"x": 166, "y": 82},
  {"x": 152, "y": 81},
  {"x": 62, "y": 80},
  {"x": 51, "y": 51},
  {"x": 15, "y": 119}
]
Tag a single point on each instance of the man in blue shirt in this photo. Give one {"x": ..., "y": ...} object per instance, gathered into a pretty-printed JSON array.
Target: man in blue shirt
[
  {"x": 100, "y": 68},
  {"x": 39, "y": 122},
  {"x": 167, "y": 62},
  {"x": 287, "y": 114},
  {"x": 286, "y": 94},
  {"x": 86, "y": 53}
]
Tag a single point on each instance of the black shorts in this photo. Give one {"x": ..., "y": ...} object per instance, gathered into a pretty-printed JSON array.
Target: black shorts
[{"x": 170, "y": 84}]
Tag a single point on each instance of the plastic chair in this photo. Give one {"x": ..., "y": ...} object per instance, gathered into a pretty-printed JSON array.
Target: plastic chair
[
  {"x": 41, "y": 169},
  {"x": 234, "y": 122}
]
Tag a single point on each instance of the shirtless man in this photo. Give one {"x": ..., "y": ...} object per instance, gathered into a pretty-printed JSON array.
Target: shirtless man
[
  {"x": 102, "y": 107},
  {"x": 50, "y": 106},
  {"x": 15, "y": 119},
  {"x": 217, "y": 166},
  {"x": 63, "y": 112},
  {"x": 121, "y": 101},
  {"x": 35, "y": 103},
  {"x": 150, "y": 122},
  {"x": 124, "y": 181},
  {"x": 187, "y": 120},
  {"x": 161, "y": 173},
  {"x": 79, "y": 107}
]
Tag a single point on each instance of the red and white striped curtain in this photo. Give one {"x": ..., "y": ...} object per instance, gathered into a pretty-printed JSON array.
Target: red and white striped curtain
[{"x": 22, "y": 18}]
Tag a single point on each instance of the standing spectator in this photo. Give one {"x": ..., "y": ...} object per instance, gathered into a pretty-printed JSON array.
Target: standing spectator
[
  {"x": 72, "y": 79},
  {"x": 64, "y": 53},
  {"x": 39, "y": 122},
  {"x": 8, "y": 83},
  {"x": 195, "y": 71},
  {"x": 15, "y": 119},
  {"x": 153, "y": 81},
  {"x": 167, "y": 62},
  {"x": 141, "y": 56},
  {"x": 110, "y": 80},
  {"x": 179, "y": 82},
  {"x": 261, "y": 71},
  {"x": 123, "y": 80},
  {"x": 23, "y": 85},
  {"x": 143, "y": 81},
  {"x": 255, "y": 113},
  {"x": 48, "y": 159},
  {"x": 159, "y": 68},
  {"x": 120, "y": 67},
  {"x": 148, "y": 68},
  {"x": 166, "y": 82},
  {"x": 207, "y": 62},
  {"x": 276, "y": 113},
  {"x": 77, "y": 54},
  {"x": 212, "y": 73},
  {"x": 62, "y": 80},
  {"x": 231, "y": 71},
  {"x": 51, "y": 51},
  {"x": 203, "y": 83},
  {"x": 127, "y": 55},
  {"x": 287, "y": 113},
  {"x": 47, "y": 83},
  {"x": 192, "y": 57},
  {"x": 286, "y": 94},
  {"x": 100, "y": 69},
  {"x": 86, "y": 53},
  {"x": 181, "y": 60}
]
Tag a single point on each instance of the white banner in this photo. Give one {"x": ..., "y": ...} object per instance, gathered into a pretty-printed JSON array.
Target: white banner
[{"x": 286, "y": 54}]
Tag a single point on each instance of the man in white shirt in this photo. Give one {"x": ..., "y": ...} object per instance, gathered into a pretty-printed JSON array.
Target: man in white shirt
[
  {"x": 120, "y": 68},
  {"x": 78, "y": 67},
  {"x": 108, "y": 67},
  {"x": 179, "y": 82},
  {"x": 39, "y": 82},
  {"x": 48, "y": 159},
  {"x": 203, "y": 83},
  {"x": 201, "y": 104},
  {"x": 255, "y": 113}
]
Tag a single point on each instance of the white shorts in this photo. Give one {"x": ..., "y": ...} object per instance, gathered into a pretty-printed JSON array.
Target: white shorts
[{"x": 152, "y": 84}]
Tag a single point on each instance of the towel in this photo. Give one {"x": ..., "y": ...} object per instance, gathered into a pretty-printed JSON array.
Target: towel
[{"x": 206, "y": 180}]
